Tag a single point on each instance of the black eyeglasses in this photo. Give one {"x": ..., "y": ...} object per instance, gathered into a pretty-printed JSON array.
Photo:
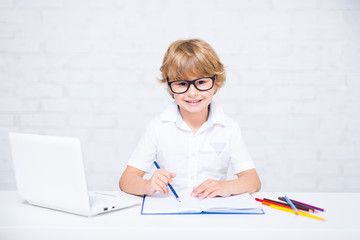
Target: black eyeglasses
[{"x": 201, "y": 84}]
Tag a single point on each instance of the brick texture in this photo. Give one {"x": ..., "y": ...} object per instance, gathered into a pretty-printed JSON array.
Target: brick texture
[{"x": 88, "y": 69}]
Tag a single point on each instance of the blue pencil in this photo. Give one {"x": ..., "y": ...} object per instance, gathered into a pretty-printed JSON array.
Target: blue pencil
[
  {"x": 171, "y": 187},
  {"x": 291, "y": 204}
]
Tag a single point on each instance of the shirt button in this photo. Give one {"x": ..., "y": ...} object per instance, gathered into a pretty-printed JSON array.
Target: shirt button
[{"x": 192, "y": 177}]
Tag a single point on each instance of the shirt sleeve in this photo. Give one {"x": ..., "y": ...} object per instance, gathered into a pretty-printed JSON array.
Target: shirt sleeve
[
  {"x": 144, "y": 154},
  {"x": 239, "y": 156}
]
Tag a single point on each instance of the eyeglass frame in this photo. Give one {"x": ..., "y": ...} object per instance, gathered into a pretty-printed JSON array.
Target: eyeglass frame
[{"x": 191, "y": 82}]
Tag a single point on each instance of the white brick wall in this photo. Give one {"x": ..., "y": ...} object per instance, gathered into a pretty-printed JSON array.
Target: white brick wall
[{"x": 88, "y": 69}]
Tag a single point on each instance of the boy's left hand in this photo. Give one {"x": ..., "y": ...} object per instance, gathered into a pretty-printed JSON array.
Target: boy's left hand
[{"x": 211, "y": 188}]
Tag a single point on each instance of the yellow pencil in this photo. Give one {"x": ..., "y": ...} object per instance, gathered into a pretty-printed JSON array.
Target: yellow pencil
[{"x": 292, "y": 211}]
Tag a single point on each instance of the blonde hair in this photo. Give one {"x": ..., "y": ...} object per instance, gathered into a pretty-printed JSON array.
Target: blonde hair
[{"x": 193, "y": 57}]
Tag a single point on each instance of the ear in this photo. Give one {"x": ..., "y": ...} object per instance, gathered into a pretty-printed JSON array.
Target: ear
[
  {"x": 214, "y": 89},
  {"x": 169, "y": 91}
]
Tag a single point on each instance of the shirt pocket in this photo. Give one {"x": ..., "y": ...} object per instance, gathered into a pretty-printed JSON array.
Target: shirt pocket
[
  {"x": 218, "y": 147},
  {"x": 218, "y": 152}
]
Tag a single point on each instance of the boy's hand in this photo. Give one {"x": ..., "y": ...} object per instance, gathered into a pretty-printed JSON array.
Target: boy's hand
[
  {"x": 159, "y": 182},
  {"x": 211, "y": 188}
]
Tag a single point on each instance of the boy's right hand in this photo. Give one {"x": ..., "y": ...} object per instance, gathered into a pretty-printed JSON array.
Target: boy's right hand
[{"x": 159, "y": 182}]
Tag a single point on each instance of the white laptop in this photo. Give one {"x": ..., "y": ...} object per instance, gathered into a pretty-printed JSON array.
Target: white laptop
[{"x": 50, "y": 173}]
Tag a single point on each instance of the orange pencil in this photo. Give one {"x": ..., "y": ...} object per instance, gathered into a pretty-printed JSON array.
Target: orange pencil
[{"x": 267, "y": 203}]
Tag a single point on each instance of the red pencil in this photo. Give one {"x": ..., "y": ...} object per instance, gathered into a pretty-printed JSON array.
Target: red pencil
[{"x": 264, "y": 202}]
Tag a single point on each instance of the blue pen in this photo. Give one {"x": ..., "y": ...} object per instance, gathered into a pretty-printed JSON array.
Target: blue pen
[
  {"x": 291, "y": 204},
  {"x": 171, "y": 188}
]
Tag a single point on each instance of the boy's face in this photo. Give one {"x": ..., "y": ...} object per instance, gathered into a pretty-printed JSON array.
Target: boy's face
[{"x": 193, "y": 100}]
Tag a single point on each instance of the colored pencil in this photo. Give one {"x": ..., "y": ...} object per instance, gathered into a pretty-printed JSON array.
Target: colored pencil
[
  {"x": 291, "y": 204},
  {"x": 171, "y": 187},
  {"x": 304, "y": 204},
  {"x": 299, "y": 212},
  {"x": 280, "y": 204},
  {"x": 287, "y": 209},
  {"x": 268, "y": 203},
  {"x": 300, "y": 207}
]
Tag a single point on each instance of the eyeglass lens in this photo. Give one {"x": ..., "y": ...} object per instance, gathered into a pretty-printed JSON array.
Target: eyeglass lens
[{"x": 201, "y": 84}]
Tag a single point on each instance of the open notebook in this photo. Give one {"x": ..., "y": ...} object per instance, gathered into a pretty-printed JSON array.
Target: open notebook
[{"x": 167, "y": 204}]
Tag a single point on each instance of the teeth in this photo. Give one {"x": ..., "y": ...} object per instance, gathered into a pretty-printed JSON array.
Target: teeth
[{"x": 193, "y": 101}]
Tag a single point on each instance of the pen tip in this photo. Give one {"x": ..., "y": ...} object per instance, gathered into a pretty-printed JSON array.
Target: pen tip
[{"x": 178, "y": 199}]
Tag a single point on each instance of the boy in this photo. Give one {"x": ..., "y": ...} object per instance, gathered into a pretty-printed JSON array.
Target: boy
[{"x": 192, "y": 139}]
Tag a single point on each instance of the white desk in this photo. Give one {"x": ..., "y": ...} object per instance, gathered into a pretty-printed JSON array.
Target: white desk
[{"x": 19, "y": 220}]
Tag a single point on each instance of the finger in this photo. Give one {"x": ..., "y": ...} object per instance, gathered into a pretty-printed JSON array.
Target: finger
[
  {"x": 162, "y": 178},
  {"x": 166, "y": 178},
  {"x": 160, "y": 187},
  {"x": 157, "y": 184},
  {"x": 210, "y": 188},
  {"x": 165, "y": 173},
  {"x": 172, "y": 175},
  {"x": 201, "y": 188},
  {"x": 198, "y": 190},
  {"x": 156, "y": 188},
  {"x": 213, "y": 194},
  {"x": 207, "y": 192}
]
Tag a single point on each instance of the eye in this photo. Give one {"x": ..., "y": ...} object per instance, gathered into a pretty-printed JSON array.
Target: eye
[
  {"x": 181, "y": 84},
  {"x": 201, "y": 82}
]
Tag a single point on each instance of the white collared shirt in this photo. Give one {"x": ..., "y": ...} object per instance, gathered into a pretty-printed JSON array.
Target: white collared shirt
[{"x": 209, "y": 153}]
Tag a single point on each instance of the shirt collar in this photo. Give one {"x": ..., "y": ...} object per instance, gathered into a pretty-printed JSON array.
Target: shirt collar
[
  {"x": 172, "y": 114},
  {"x": 216, "y": 115}
]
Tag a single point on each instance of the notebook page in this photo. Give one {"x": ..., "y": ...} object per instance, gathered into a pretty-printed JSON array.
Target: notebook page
[
  {"x": 167, "y": 203},
  {"x": 237, "y": 203}
]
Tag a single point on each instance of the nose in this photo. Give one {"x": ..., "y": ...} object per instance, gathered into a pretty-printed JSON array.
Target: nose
[{"x": 192, "y": 91}]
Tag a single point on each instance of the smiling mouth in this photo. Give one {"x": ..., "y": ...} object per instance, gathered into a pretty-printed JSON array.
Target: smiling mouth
[{"x": 193, "y": 101}]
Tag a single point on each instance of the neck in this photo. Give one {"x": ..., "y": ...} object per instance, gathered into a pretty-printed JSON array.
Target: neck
[{"x": 195, "y": 120}]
